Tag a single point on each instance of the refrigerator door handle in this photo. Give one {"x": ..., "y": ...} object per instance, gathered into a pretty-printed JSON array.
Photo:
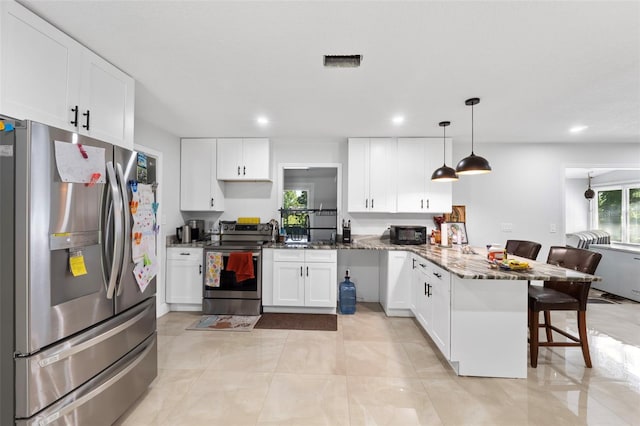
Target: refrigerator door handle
[
  {"x": 91, "y": 342},
  {"x": 117, "y": 237},
  {"x": 97, "y": 391},
  {"x": 126, "y": 230}
]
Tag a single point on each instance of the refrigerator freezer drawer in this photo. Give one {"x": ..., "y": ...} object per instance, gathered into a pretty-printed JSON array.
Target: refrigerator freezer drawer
[
  {"x": 43, "y": 378},
  {"x": 106, "y": 397}
]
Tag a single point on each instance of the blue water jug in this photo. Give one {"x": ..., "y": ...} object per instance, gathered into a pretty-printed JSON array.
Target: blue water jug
[{"x": 347, "y": 296}]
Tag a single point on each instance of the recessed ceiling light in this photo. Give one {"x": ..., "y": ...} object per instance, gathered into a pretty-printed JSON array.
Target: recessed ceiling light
[
  {"x": 578, "y": 129},
  {"x": 398, "y": 119},
  {"x": 263, "y": 121}
]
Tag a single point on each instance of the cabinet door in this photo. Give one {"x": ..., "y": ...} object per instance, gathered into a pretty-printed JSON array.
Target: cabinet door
[
  {"x": 382, "y": 189},
  {"x": 441, "y": 306},
  {"x": 399, "y": 280},
  {"x": 107, "y": 96},
  {"x": 411, "y": 176},
  {"x": 184, "y": 278},
  {"x": 199, "y": 188},
  {"x": 320, "y": 284},
  {"x": 229, "y": 159},
  {"x": 256, "y": 159},
  {"x": 420, "y": 293},
  {"x": 439, "y": 194},
  {"x": 288, "y": 284},
  {"x": 39, "y": 69},
  {"x": 358, "y": 175}
]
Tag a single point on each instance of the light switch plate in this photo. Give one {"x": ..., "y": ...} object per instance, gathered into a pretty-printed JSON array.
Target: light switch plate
[{"x": 552, "y": 228}]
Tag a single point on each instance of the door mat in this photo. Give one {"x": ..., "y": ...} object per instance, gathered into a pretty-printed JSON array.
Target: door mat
[
  {"x": 225, "y": 323},
  {"x": 322, "y": 322}
]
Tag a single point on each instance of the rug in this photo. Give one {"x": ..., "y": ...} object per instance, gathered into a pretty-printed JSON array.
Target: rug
[
  {"x": 225, "y": 323},
  {"x": 322, "y": 322}
]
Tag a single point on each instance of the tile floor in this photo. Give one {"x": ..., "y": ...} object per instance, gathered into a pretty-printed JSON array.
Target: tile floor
[{"x": 383, "y": 371}]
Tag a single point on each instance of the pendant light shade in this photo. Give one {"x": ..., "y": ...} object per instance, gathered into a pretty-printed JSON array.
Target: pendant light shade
[
  {"x": 589, "y": 193},
  {"x": 473, "y": 164},
  {"x": 444, "y": 173}
]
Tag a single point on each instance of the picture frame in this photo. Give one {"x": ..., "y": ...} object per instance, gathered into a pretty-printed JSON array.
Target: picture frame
[
  {"x": 458, "y": 214},
  {"x": 457, "y": 233}
]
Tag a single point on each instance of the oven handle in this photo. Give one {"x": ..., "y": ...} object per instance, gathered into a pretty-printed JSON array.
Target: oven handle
[{"x": 227, "y": 252}]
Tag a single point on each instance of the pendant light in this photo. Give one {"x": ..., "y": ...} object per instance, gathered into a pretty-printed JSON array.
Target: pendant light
[
  {"x": 473, "y": 164},
  {"x": 589, "y": 193},
  {"x": 444, "y": 173}
]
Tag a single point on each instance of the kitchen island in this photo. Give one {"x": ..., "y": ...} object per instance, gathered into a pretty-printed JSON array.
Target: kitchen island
[{"x": 476, "y": 315}]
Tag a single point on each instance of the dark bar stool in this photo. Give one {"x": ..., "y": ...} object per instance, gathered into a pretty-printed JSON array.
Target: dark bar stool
[
  {"x": 528, "y": 249},
  {"x": 562, "y": 296}
]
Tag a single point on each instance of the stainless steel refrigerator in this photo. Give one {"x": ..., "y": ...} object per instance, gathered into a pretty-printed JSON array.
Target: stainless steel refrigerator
[{"x": 77, "y": 349}]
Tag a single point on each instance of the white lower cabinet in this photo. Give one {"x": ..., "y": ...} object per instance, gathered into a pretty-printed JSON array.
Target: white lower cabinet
[
  {"x": 184, "y": 275},
  {"x": 619, "y": 269},
  {"x": 304, "y": 278},
  {"x": 432, "y": 301},
  {"x": 395, "y": 282}
]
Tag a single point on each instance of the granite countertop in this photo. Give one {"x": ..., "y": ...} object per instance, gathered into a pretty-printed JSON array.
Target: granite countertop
[
  {"x": 471, "y": 265},
  {"x": 452, "y": 259}
]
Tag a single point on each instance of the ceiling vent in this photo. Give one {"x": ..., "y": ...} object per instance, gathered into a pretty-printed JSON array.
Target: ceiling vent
[{"x": 342, "y": 61}]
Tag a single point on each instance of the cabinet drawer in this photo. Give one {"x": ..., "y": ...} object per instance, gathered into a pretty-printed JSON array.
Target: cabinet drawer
[
  {"x": 288, "y": 255},
  {"x": 321, "y": 255},
  {"x": 439, "y": 273},
  {"x": 184, "y": 253}
]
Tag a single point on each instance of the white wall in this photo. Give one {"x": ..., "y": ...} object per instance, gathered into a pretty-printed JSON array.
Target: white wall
[
  {"x": 527, "y": 188},
  {"x": 150, "y": 136},
  {"x": 576, "y": 206}
]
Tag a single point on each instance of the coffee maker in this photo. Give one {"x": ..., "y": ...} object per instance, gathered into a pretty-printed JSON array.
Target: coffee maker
[{"x": 197, "y": 229}]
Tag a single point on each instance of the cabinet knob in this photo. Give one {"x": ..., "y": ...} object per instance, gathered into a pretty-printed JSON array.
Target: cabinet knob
[
  {"x": 366, "y": 203},
  {"x": 238, "y": 170},
  {"x": 372, "y": 203},
  {"x": 437, "y": 274},
  {"x": 422, "y": 204},
  {"x": 427, "y": 203},
  {"x": 212, "y": 202},
  {"x": 244, "y": 171},
  {"x": 301, "y": 271},
  {"x": 200, "y": 269},
  {"x": 307, "y": 271}
]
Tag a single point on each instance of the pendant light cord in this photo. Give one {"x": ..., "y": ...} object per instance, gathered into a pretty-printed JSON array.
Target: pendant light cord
[
  {"x": 444, "y": 145},
  {"x": 472, "y": 129}
]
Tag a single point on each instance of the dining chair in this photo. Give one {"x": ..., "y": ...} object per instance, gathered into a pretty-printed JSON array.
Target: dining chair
[
  {"x": 521, "y": 248},
  {"x": 562, "y": 296}
]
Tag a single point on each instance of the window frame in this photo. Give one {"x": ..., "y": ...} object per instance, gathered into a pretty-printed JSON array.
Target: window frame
[{"x": 624, "y": 220}]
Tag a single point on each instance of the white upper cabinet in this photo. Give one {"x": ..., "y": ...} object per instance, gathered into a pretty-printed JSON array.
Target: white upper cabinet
[
  {"x": 244, "y": 159},
  {"x": 417, "y": 159},
  {"x": 371, "y": 176},
  {"x": 106, "y": 101},
  {"x": 48, "y": 77},
  {"x": 200, "y": 189}
]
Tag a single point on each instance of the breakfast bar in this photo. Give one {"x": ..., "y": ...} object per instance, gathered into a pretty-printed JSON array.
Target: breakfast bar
[{"x": 476, "y": 315}]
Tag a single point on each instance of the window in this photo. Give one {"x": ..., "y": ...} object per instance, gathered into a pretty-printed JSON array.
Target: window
[{"x": 618, "y": 212}]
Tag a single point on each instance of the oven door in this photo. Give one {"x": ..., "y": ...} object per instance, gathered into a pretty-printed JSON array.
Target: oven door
[{"x": 221, "y": 283}]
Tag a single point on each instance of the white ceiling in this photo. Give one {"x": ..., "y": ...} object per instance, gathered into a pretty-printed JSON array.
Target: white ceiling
[{"x": 210, "y": 68}]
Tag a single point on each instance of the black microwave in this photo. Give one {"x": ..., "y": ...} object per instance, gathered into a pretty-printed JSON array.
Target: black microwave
[{"x": 408, "y": 234}]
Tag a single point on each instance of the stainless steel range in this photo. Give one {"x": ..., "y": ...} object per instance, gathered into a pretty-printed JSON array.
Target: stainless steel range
[{"x": 232, "y": 282}]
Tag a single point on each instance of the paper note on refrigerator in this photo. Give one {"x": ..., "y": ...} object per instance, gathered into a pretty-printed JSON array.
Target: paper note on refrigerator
[
  {"x": 72, "y": 165},
  {"x": 76, "y": 265}
]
